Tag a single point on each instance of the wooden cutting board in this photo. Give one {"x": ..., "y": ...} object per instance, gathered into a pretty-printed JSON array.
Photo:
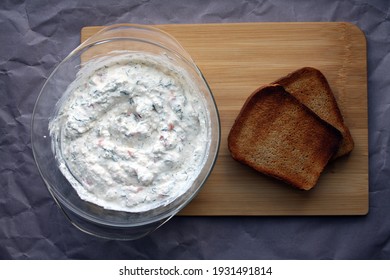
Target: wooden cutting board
[{"x": 235, "y": 60}]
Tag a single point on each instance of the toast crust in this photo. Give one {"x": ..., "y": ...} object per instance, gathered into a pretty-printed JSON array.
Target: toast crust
[
  {"x": 312, "y": 89},
  {"x": 277, "y": 135}
]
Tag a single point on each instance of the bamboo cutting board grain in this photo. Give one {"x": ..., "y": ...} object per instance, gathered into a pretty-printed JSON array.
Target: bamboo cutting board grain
[{"x": 235, "y": 60}]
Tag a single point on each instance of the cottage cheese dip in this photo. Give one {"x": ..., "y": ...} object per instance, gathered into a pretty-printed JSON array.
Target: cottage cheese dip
[{"x": 131, "y": 132}]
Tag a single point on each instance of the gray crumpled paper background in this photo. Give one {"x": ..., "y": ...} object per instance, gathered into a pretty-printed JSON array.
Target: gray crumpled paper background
[{"x": 36, "y": 35}]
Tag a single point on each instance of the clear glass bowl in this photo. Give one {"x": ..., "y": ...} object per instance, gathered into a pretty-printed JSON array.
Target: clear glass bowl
[{"x": 86, "y": 216}]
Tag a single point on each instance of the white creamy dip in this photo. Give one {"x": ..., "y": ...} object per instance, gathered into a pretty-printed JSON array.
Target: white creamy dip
[{"x": 132, "y": 130}]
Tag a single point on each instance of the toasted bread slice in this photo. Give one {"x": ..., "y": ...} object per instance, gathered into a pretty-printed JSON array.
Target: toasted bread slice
[
  {"x": 311, "y": 88},
  {"x": 277, "y": 135}
]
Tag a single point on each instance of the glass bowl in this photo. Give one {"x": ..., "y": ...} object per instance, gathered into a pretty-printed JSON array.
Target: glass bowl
[{"x": 109, "y": 42}]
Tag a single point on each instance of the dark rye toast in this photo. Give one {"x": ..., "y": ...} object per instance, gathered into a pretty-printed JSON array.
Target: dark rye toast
[
  {"x": 312, "y": 89},
  {"x": 277, "y": 135}
]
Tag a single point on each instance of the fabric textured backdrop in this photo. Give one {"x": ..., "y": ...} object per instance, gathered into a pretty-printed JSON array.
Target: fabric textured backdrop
[{"x": 36, "y": 35}]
